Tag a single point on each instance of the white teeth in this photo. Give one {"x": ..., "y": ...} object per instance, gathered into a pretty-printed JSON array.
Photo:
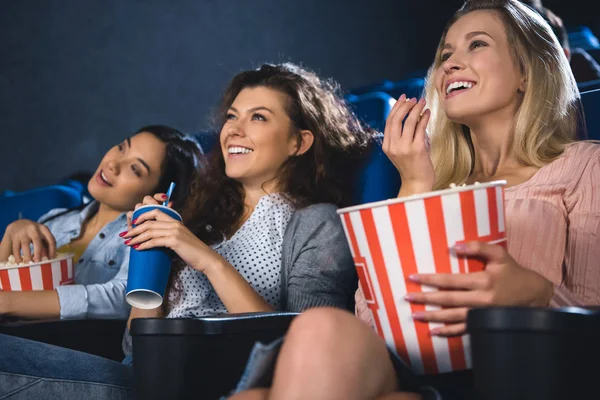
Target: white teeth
[
  {"x": 103, "y": 177},
  {"x": 457, "y": 85},
  {"x": 239, "y": 150}
]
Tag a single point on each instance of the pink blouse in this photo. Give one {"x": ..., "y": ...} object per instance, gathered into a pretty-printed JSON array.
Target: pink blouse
[{"x": 553, "y": 226}]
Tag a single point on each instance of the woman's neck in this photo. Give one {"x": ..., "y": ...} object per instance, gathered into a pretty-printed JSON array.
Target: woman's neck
[
  {"x": 253, "y": 193},
  {"x": 493, "y": 146},
  {"x": 103, "y": 216}
]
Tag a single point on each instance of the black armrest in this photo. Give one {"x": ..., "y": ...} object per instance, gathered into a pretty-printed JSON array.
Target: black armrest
[
  {"x": 94, "y": 336},
  {"x": 198, "y": 358}
]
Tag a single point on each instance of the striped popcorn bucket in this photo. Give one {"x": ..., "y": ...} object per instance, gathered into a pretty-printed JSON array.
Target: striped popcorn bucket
[
  {"x": 45, "y": 275},
  {"x": 393, "y": 239}
]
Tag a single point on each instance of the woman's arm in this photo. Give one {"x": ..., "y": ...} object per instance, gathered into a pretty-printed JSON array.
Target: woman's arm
[
  {"x": 156, "y": 229},
  {"x": 234, "y": 291},
  {"x": 139, "y": 313},
  {"x": 582, "y": 252},
  {"x": 98, "y": 300},
  {"x": 43, "y": 304},
  {"x": 316, "y": 262}
]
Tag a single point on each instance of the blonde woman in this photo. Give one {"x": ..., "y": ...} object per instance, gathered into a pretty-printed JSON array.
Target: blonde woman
[{"x": 503, "y": 105}]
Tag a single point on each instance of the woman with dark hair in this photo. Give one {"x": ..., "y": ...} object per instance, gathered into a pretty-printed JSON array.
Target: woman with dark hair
[
  {"x": 144, "y": 163},
  {"x": 287, "y": 144},
  {"x": 258, "y": 235}
]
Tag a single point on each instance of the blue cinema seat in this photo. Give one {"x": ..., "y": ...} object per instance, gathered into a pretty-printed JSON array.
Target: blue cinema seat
[
  {"x": 32, "y": 204},
  {"x": 591, "y": 108},
  {"x": 584, "y": 38},
  {"x": 412, "y": 87}
]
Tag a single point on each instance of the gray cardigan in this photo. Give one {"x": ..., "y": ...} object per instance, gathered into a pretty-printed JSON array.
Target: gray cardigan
[{"x": 316, "y": 265}]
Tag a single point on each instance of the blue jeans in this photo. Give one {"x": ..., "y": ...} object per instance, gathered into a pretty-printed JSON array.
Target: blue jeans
[{"x": 33, "y": 370}]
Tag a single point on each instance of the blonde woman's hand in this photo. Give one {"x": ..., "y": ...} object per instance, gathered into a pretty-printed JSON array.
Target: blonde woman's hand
[
  {"x": 404, "y": 142},
  {"x": 22, "y": 233},
  {"x": 157, "y": 229},
  {"x": 502, "y": 283}
]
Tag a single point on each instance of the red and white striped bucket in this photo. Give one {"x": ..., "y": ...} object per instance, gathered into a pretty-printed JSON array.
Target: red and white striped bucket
[
  {"x": 45, "y": 275},
  {"x": 393, "y": 239}
]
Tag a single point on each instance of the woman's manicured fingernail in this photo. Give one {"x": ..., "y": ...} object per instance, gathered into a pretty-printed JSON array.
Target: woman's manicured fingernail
[
  {"x": 164, "y": 196},
  {"x": 413, "y": 99},
  {"x": 414, "y": 278},
  {"x": 460, "y": 247},
  {"x": 409, "y": 297},
  {"x": 434, "y": 332},
  {"x": 123, "y": 233},
  {"x": 135, "y": 246},
  {"x": 422, "y": 100},
  {"x": 418, "y": 315},
  {"x": 134, "y": 221},
  {"x": 128, "y": 241},
  {"x": 402, "y": 98}
]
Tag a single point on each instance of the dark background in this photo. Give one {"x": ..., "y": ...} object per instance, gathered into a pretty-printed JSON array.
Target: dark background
[{"x": 77, "y": 76}]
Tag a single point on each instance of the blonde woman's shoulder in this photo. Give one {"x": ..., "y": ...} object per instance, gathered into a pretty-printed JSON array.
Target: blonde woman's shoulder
[
  {"x": 581, "y": 164},
  {"x": 583, "y": 152}
]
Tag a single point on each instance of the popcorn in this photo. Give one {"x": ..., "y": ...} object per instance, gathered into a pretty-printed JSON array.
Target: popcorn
[
  {"x": 454, "y": 185},
  {"x": 12, "y": 262}
]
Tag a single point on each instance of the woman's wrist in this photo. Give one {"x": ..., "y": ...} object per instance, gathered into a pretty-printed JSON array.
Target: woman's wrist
[
  {"x": 411, "y": 188},
  {"x": 5, "y": 303},
  {"x": 215, "y": 267}
]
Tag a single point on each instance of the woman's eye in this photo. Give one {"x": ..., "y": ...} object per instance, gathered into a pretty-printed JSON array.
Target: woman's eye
[
  {"x": 229, "y": 116},
  {"x": 444, "y": 57},
  {"x": 477, "y": 43},
  {"x": 136, "y": 171},
  {"x": 258, "y": 117},
  {"x": 120, "y": 146}
]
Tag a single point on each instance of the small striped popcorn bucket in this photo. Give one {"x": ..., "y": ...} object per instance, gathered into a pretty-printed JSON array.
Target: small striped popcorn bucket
[
  {"x": 393, "y": 239},
  {"x": 44, "y": 275}
]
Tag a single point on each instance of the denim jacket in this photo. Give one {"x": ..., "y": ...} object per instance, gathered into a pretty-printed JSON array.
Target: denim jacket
[{"x": 101, "y": 272}]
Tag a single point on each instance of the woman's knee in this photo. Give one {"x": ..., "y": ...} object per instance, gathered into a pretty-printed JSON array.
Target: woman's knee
[{"x": 333, "y": 328}]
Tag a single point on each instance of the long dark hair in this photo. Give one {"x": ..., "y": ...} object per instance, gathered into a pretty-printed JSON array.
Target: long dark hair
[
  {"x": 181, "y": 162},
  {"x": 323, "y": 174}
]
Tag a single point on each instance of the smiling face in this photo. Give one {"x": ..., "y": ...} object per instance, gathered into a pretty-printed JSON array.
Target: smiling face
[
  {"x": 128, "y": 172},
  {"x": 478, "y": 75},
  {"x": 257, "y": 137}
]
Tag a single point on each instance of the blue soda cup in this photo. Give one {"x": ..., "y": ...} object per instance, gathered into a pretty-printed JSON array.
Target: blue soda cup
[{"x": 149, "y": 269}]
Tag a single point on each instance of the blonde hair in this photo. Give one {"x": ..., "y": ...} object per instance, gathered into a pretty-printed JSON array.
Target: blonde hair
[{"x": 546, "y": 122}]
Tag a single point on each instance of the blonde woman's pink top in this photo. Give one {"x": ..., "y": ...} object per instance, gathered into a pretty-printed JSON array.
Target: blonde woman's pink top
[{"x": 553, "y": 226}]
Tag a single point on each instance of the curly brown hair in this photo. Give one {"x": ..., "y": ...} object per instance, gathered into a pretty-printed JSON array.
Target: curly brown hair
[{"x": 326, "y": 173}]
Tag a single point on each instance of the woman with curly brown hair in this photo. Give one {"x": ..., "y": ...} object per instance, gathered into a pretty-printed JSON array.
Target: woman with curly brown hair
[
  {"x": 287, "y": 145},
  {"x": 258, "y": 234}
]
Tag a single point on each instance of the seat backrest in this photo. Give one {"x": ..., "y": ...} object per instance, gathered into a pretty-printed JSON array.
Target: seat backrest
[
  {"x": 591, "y": 108},
  {"x": 32, "y": 204},
  {"x": 584, "y": 38},
  {"x": 378, "y": 179}
]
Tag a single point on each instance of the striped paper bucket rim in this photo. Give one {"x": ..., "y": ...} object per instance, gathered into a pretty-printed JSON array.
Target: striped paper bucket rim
[
  {"x": 421, "y": 196},
  {"x": 65, "y": 256}
]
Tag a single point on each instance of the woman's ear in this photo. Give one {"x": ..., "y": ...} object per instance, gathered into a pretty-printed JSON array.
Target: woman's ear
[
  {"x": 306, "y": 141},
  {"x": 522, "y": 86}
]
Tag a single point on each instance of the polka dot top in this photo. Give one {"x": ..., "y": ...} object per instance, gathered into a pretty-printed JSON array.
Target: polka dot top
[{"x": 254, "y": 251}]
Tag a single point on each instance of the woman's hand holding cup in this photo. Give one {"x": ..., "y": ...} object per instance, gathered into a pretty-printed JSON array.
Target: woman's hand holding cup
[{"x": 154, "y": 229}]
